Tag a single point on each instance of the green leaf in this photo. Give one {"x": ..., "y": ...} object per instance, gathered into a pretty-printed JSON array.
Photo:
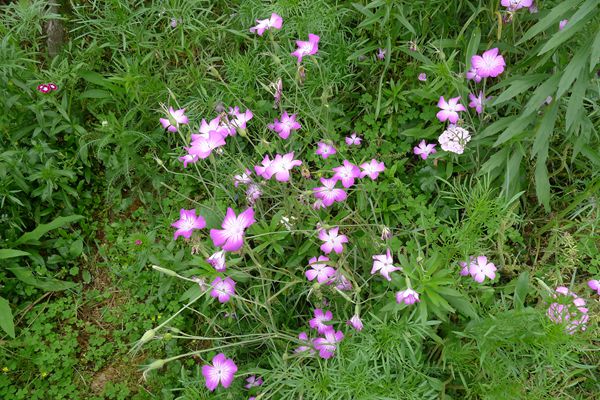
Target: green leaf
[
  {"x": 472, "y": 47},
  {"x": 575, "y": 105},
  {"x": 47, "y": 284},
  {"x": 6, "y": 318},
  {"x": 545, "y": 130},
  {"x": 540, "y": 94},
  {"x": 550, "y": 19},
  {"x": 542, "y": 183},
  {"x": 42, "y": 229},
  {"x": 595, "y": 56},
  {"x": 521, "y": 288},
  {"x": 573, "y": 70},
  {"x": 11, "y": 253},
  {"x": 400, "y": 17},
  {"x": 96, "y": 94},
  {"x": 516, "y": 127},
  {"x": 576, "y": 23},
  {"x": 76, "y": 248},
  {"x": 519, "y": 86}
]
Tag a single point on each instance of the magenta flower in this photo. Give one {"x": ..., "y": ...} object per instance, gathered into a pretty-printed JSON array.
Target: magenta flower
[
  {"x": 240, "y": 119},
  {"x": 424, "y": 149},
  {"x": 333, "y": 241},
  {"x": 214, "y": 125},
  {"x": 325, "y": 150},
  {"x": 355, "y": 322},
  {"x": 372, "y": 169},
  {"x": 489, "y": 64},
  {"x": 187, "y": 159},
  {"x": 318, "y": 322},
  {"x": 221, "y": 371},
  {"x": 384, "y": 264},
  {"x": 422, "y": 77},
  {"x": 43, "y": 88},
  {"x": 287, "y": 124},
  {"x": 304, "y": 339},
  {"x": 319, "y": 269},
  {"x": 569, "y": 309},
  {"x": 231, "y": 237},
  {"x": 449, "y": 110},
  {"x": 480, "y": 268},
  {"x": 203, "y": 144},
  {"x": 513, "y": 5},
  {"x": 217, "y": 260},
  {"x": 243, "y": 178},
  {"x": 562, "y": 24},
  {"x": 353, "y": 140},
  {"x": 188, "y": 221},
  {"x": 478, "y": 101},
  {"x": 473, "y": 75},
  {"x": 275, "y": 21},
  {"x": 253, "y": 193},
  {"x": 253, "y": 381},
  {"x": 346, "y": 173},
  {"x": 407, "y": 296},
  {"x": 307, "y": 48},
  {"x": 327, "y": 345},
  {"x": 464, "y": 271},
  {"x": 281, "y": 167},
  {"x": 222, "y": 289},
  {"x": 171, "y": 123},
  {"x": 594, "y": 285},
  {"x": 381, "y": 54},
  {"x": 264, "y": 169}
]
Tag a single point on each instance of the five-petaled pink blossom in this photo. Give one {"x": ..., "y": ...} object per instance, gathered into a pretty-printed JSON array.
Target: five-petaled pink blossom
[
  {"x": 422, "y": 77},
  {"x": 287, "y": 124},
  {"x": 253, "y": 381},
  {"x": 384, "y": 264},
  {"x": 275, "y": 21},
  {"x": 307, "y": 48},
  {"x": 203, "y": 144},
  {"x": 281, "y": 167},
  {"x": 449, "y": 110},
  {"x": 372, "y": 169},
  {"x": 221, "y": 371},
  {"x": 239, "y": 119},
  {"x": 513, "y": 5},
  {"x": 477, "y": 102},
  {"x": 480, "y": 268},
  {"x": 407, "y": 296},
  {"x": 264, "y": 169},
  {"x": 489, "y": 64},
  {"x": 171, "y": 123},
  {"x": 473, "y": 75},
  {"x": 333, "y": 240},
  {"x": 217, "y": 260},
  {"x": 187, "y": 159},
  {"x": 188, "y": 221},
  {"x": 346, "y": 173},
  {"x": 327, "y": 345},
  {"x": 355, "y": 322},
  {"x": 215, "y": 125},
  {"x": 424, "y": 149},
  {"x": 243, "y": 178},
  {"x": 319, "y": 269},
  {"x": 562, "y": 24},
  {"x": 353, "y": 140},
  {"x": 222, "y": 289},
  {"x": 594, "y": 284},
  {"x": 325, "y": 150},
  {"x": 381, "y": 54},
  {"x": 318, "y": 322},
  {"x": 231, "y": 237}
]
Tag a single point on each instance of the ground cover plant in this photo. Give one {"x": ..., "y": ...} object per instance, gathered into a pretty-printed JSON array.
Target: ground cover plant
[{"x": 300, "y": 199}]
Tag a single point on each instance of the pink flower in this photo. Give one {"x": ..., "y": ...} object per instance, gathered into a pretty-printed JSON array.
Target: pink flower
[
  {"x": 594, "y": 285},
  {"x": 473, "y": 75},
  {"x": 203, "y": 144},
  {"x": 513, "y": 5},
  {"x": 240, "y": 119},
  {"x": 188, "y": 158},
  {"x": 355, "y": 322},
  {"x": 281, "y": 167},
  {"x": 562, "y": 24},
  {"x": 477, "y": 102},
  {"x": 333, "y": 241},
  {"x": 188, "y": 221},
  {"x": 253, "y": 193},
  {"x": 318, "y": 204},
  {"x": 384, "y": 264},
  {"x": 307, "y": 48},
  {"x": 489, "y": 64},
  {"x": 286, "y": 126},
  {"x": 253, "y": 381},
  {"x": 43, "y": 88},
  {"x": 449, "y": 110},
  {"x": 353, "y": 140},
  {"x": 171, "y": 123},
  {"x": 381, "y": 54},
  {"x": 217, "y": 260},
  {"x": 372, "y": 169},
  {"x": 424, "y": 149},
  {"x": 422, "y": 77},
  {"x": 325, "y": 150},
  {"x": 454, "y": 139},
  {"x": 243, "y": 178},
  {"x": 264, "y": 24},
  {"x": 346, "y": 173},
  {"x": 278, "y": 92},
  {"x": 222, "y": 370},
  {"x": 480, "y": 268},
  {"x": 231, "y": 237},
  {"x": 465, "y": 266},
  {"x": 214, "y": 125},
  {"x": 138, "y": 242},
  {"x": 319, "y": 269},
  {"x": 264, "y": 169},
  {"x": 572, "y": 313},
  {"x": 222, "y": 289},
  {"x": 341, "y": 282},
  {"x": 407, "y": 296},
  {"x": 304, "y": 339},
  {"x": 318, "y": 322},
  {"x": 327, "y": 345},
  {"x": 533, "y": 9}
]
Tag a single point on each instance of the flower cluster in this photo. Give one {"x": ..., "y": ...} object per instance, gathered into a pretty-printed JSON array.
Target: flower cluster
[
  {"x": 47, "y": 87},
  {"x": 568, "y": 309},
  {"x": 454, "y": 139}
]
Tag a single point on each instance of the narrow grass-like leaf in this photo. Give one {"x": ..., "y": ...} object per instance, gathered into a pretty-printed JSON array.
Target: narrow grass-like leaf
[
  {"x": 472, "y": 47},
  {"x": 575, "y": 106},
  {"x": 573, "y": 69},
  {"x": 519, "y": 86},
  {"x": 11, "y": 253},
  {"x": 545, "y": 130},
  {"x": 595, "y": 55},
  {"x": 549, "y": 20}
]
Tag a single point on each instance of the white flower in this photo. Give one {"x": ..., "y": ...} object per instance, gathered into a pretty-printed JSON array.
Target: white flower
[{"x": 454, "y": 139}]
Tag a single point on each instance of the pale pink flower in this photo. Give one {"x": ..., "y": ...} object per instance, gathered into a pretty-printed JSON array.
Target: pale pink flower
[
  {"x": 221, "y": 371},
  {"x": 215, "y": 125},
  {"x": 327, "y": 345},
  {"x": 341, "y": 282},
  {"x": 464, "y": 271},
  {"x": 594, "y": 284},
  {"x": 386, "y": 233},
  {"x": 562, "y": 24},
  {"x": 281, "y": 167},
  {"x": 533, "y": 9},
  {"x": 307, "y": 48},
  {"x": 424, "y": 149},
  {"x": 381, "y": 54},
  {"x": 454, "y": 139},
  {"x": 203, "y": 144},
  {"x": 355, "y": 322},
  {"x": 217, "y": 260},
  {"x": 253, "y": 381},
  {"x": 489, "y": 64},
  {"x": 264, "y": 169},
  {"x": 325, "y": 150},
  {"x": 222, "y": 289},
  {"x": 480, "y": 268},
  {"x": 333, "y": 241},
  {"x": 346, "y": 173},
  {"x": 318, "y": 204},
  {"x": 572, "y": 313},
  {"x": 44, "y": 88},
  {"x": 372, "y": 169},
  {"x": 477, "y": 102},
  {"x": 188, "y": 221},
  {"x": 318, "y": 322},
  {"x": 513, "y": 5},
  {"x": 306, "y": 346},
  {"x": 287, "y": 124},
  {"x": 473, "y": 75},
  {"x": 243, "y": 178},
  {"x": 407, "y": 296},
  {"x": 278, "y": 92},
  {"x": 275, "y": 22},
  {"x": 174, "y": 118},
  {"x": 449, "y": 110},
  {"x": 240, "y": 119},
  {"x": 253, "y": 193},
  {"x": 231, "y": 237},
  {"x": 319, "y": 269},
  {"x": 353, "y": 140},
  {"x": 187, "y": 159},
  {"x": 384, "y": 264},
  {"x": 422, "y": 77}
]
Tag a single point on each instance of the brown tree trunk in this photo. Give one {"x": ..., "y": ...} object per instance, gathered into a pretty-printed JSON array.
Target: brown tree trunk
[{"x": 54, "y": 31}]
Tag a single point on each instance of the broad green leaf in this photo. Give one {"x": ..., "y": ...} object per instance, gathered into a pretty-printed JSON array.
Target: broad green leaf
[
  {"x": 472, "y": 47},
  {"x": 11, "y": 253},
  {"x": 515, "y": 128},
  {"x": 463, "y": 306},
  {"x": 495, "y": 127},
  {"x": 519, "y": 86},
  {"x": 542, "y": 183},
  {"x": 595, "y": 56},
  {"x": 495, "y": 161},
  {"x": 521, "y": 288},
  {"x": 575, "y": 105},
  {"x": 545, "y": 129},
  {"x": 540, "y": 94},
  {"x": 42, "y": 229},
  {"x": 551, "y": 19},
  {"x": 6, "y": 318},
  {"x": 96, "y": 94},
  {"x": 573, "y": 69},
  {"x": 576, "y": 23},
  {"x": 47, "y": 284}
]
